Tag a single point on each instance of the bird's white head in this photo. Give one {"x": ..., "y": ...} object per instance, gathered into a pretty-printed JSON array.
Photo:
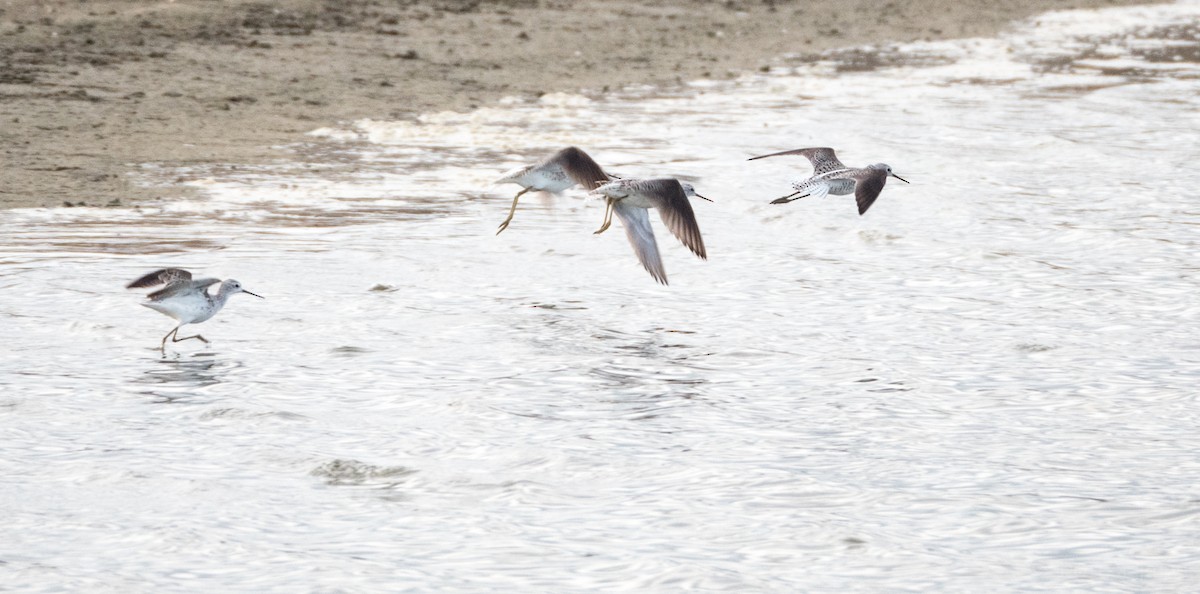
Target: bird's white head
[
  {"x": 690, "y": 191},
  {"x": 888, "y": 169},
  {"x": 231, "y": 287}
]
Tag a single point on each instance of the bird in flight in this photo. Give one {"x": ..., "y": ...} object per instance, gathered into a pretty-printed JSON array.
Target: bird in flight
[
  {"x": 830, "y": 176},
  {"x": 632, "y": 199}
]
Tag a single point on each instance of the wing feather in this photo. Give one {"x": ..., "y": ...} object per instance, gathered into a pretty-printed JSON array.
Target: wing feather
[
  {"x": 180, "y": 287},
  {"x": 641, "y": 236},
  {"x": 868, "y": 183},
  {"x": 808, "y": 188},
  {"x": 676, "y": 212},
  {"x": 581, "y": 168},
  {"x": 159, "y": 277},
  {"x": 823, "y": 158}
]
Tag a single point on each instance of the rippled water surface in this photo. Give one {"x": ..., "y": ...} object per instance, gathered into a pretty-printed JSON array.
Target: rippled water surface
[{"x": 988, "y": 383}]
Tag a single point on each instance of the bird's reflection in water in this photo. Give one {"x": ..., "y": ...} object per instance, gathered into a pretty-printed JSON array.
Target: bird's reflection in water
[{"x": 184, "y": 379}]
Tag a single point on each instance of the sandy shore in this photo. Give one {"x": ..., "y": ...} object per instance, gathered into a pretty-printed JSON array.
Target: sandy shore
[{"x": 89, "y": 91}]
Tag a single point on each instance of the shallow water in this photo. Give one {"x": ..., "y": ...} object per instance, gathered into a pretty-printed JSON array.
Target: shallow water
[{"x": 988, "y": 382}]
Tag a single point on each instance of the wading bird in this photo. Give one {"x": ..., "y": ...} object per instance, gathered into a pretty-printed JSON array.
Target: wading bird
[{"x": 184, "y": 299}]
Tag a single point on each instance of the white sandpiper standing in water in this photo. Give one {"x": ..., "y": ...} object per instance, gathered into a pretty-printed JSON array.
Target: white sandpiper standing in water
[
  {"x": 554, "y": 174},
  {"x": 830, "y": 176},
  {"x": 631, "y": 199},
  {"x": 184, "y": 299}
]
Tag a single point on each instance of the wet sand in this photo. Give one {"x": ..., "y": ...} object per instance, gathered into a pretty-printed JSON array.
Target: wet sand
[{"x": 90, "y": 92}]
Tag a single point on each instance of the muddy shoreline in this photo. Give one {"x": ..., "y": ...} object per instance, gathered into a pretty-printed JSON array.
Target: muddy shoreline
[{"x": 92, "y": 91}]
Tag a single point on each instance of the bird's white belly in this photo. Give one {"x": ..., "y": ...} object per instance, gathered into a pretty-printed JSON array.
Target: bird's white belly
[
  {"x": 547, "y": 181},
  {"x": 840, "y": 187},
  {"x": 187, "y": 309},
  {"x": 837, "y": 187},
  {"x": 638, "y": 201}
]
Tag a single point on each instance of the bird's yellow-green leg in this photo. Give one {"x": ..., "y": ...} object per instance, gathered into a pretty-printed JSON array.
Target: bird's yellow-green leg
[
  {"x": 175, "y": 338},
  {"x": 608, "y": 212},
  {"x": 202, "y": 339},
  {"x": 787, "y": 198},
  {"x": 163, "y": 348},
  {"x": 511, "y": 211}
]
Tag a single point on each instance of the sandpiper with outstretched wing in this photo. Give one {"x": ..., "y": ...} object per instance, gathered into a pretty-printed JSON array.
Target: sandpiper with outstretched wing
[
  {"x": 185, "y": 299},
  {"x": 632, "y": 199},
  {"x": 558, "y": 172},
  {"x": 830, "y": 176}
]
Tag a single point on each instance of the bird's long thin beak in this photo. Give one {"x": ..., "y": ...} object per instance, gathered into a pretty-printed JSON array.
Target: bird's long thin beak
[
  {"x": 702, "y": 197},
  {"x": 255, "y": 294},
  {"x": 901, "y": 178}
]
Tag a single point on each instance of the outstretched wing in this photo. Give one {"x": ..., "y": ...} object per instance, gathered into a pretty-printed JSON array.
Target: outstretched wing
[
  {"x": 868, "y": 183},
  {"x": 641, "y": 236},
  {"x": 823, "y": 158},
  {"x": 159, "y": 277},
  {"x": 675, "y": 209},
  {"x": 580, "y": 167}
]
